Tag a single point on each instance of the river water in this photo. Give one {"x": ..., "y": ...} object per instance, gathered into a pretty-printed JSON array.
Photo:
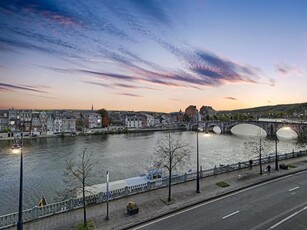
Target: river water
[{"x": 123, "y": 155}]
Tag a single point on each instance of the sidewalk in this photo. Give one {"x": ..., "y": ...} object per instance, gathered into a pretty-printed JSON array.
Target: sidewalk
[{"x": 151, "y": 204}]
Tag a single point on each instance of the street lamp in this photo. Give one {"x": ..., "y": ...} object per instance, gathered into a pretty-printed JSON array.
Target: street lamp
[
  {"x": 17, "y": 149},
  {"x": 276, "y": 156},
  {"x": 197, "y": 155},
  {"x": 107, "y": 196}
]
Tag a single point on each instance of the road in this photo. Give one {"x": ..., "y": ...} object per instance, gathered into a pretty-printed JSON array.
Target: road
[{"x": 278, "y": 204}]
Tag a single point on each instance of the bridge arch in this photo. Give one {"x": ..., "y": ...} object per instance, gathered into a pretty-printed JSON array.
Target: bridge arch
[
  {"x": 261, "y": 131},
  {"x": 270, "y": 127},
  {"x": 278, "y": 127},
  {"x": 210, "y": 128}
]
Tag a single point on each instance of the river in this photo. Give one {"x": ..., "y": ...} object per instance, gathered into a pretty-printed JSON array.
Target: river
[{"x": 123, "y": 155}]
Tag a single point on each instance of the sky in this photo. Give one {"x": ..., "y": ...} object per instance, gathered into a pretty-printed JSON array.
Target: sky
[{"x": 152, "y": 55}]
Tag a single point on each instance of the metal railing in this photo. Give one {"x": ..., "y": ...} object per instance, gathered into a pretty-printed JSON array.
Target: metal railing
[{"x": 74, "y": 203}]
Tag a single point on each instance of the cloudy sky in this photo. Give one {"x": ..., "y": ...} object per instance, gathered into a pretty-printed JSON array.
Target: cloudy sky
[{"x": 155, "y": 55}]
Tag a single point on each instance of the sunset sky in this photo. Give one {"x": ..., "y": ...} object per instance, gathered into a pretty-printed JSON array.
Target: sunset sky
[{"x": 152, "y": 55}]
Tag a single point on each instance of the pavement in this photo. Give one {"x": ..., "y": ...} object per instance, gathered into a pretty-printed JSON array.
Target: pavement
[{"x": 153, "y": 204}]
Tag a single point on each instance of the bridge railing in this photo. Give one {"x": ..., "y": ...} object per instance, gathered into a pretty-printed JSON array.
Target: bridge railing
[{"x": 74, "y": 203}]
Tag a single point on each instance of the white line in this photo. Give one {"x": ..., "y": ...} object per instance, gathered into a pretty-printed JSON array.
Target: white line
[
  {"x": 231, "y": 214},
  {"x": 292, "y": 189},
  {"x": 298, "y": 173},
  {"x": 287, "y": 218},
  {"x": 293, "y": 193}
]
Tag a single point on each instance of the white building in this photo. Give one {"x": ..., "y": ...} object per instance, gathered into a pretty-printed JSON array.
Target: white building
[{"x": 134, "y": 121}]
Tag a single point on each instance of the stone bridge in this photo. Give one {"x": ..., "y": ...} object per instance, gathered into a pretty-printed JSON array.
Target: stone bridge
[{"x": 269, "y": 126}]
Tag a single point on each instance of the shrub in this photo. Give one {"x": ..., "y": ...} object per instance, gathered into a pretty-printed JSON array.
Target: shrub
[
  {"x": 222, "y": 184},
  {"x": 283, "y": 166},
  {"x": 131, "y": 205},
  {"x": 89, "y": 226},
  {"x": 292, "y": 166}
]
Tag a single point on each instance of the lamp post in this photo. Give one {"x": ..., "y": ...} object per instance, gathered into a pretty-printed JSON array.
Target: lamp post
[
  {"x": 197, "y": 156},
  {"x": 17, "y": 148},
  {"x": 276, "y": 156},
  {"x": 260, "y": 159},
  {"x": 107, "y": 196}
]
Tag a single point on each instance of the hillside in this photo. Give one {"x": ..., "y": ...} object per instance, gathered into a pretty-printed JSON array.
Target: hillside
[{"x": 285, "y": 109}]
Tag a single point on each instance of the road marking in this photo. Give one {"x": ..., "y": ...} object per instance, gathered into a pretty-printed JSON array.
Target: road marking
[
  {"x": 214, "y": 200},
  {"x": 287, "y": 218},
  {"x": 231, "y": 214},
  {"x": 292, "y": 189},
  {"x": 298, "y": 173},
  {"x": 293, "y": 193}
]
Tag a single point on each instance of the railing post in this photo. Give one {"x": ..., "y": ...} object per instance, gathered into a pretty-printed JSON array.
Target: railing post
[
  {"x": 185, "y": 177},
  {"x": 239, "y": 165},
  {"x": 34, "y": 213},
  {"x": 126, "y": 191},
  {"x": 214, "y": 170},
  {"x": 148, "y": 185},
  {"x": 71, "y": 203},
  {"x": 100, "y": 197}
]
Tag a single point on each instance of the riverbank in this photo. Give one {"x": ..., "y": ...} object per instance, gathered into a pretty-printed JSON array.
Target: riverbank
[{"x": 97, "y": 132}]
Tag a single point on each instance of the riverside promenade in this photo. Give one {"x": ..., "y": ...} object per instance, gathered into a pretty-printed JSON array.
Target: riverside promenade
[{"x": 152, "y": 204}]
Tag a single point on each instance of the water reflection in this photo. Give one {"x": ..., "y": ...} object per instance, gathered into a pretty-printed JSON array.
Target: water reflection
[
  {"x": 248, "y": 130},
  {"x": 286, "y": 133}
]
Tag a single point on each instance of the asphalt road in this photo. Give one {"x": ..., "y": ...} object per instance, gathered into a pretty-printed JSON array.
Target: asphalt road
[{"x": 278, "y": 204}]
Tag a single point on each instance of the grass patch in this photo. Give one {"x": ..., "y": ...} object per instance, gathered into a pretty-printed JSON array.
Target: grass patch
[
  {"x": 222, "y": 184},
  {"x": 90, "y": 226},
  {"x": 292, "y": 166}
]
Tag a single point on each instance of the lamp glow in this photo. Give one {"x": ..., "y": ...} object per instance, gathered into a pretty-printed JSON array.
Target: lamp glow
[{"x": 16, "y": 149}]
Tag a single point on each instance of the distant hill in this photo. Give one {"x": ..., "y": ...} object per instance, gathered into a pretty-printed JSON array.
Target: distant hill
[{"x": 286, "y": 109}]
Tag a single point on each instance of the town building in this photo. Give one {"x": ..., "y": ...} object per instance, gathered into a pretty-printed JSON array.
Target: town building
[
  {"x": 36, "y": 123},
  {"x": 91, "y": 120},
  {"x": 68, "y": 123},
  {"x": 4, "y": 121},
  {"x": 135, "y": 121},
  {"x": 149, "y": 120}
]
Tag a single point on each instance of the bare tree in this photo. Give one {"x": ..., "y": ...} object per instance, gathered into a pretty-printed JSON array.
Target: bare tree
[
  {"x": 258, "y": 148},
  {"x": 76, "y": 176},
  {"x": 169, "y": 154}
]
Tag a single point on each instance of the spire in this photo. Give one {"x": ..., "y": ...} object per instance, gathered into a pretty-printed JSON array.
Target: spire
[{"x": 92, "y": 107}]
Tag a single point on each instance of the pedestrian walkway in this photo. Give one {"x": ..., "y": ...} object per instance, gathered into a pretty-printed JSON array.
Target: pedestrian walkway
[{"x": 152, "y": 204}]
